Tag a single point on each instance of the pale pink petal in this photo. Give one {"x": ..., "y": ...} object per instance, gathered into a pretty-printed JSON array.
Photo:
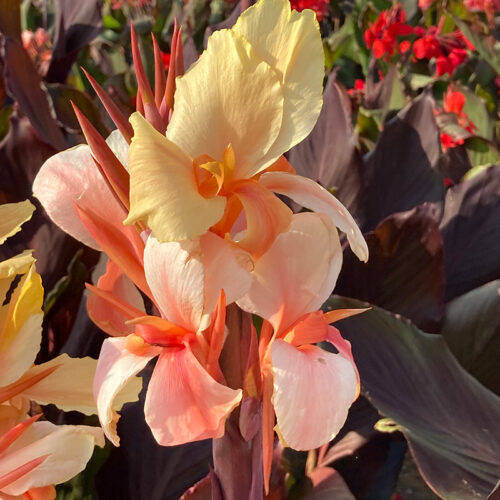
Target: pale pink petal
[
  {"x": 176, "y": 275},
  {"x": 298, "y": 272},
  {"x": 313, "y": 390},
  {"x": 108, "y": 318},
  {"x": 184, "y": 403},
  {"x": 116, "y": 369},
  {"x": 70, "y": 176},
  {"x": 311, "y": 195},
  {"x": 226, "y": 268},
  {"x": 68, "y": 447}
]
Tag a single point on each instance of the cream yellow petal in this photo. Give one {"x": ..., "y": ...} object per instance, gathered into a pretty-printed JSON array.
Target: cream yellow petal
[
  {"x": 20, "y": 327},
  {"x": 290, "y": 42},
  {"x": 19, "y": 264},
  {"x": 70, "y": 386},
  {"x": 229, "y": 96},
  {"x": 163, "y": 189},
  {"x": 12, "y": 216}
]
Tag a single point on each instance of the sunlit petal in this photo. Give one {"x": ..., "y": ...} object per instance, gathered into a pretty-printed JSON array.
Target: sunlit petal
[
  {"x": 163, "y": 189},
  {"x": 115, "y": 375},
  {"x": 290, "y": 42},
  {"x": 184, "y": 403},
  {"x": 229, "y": 96},
  {"x": 311, "y": 195},
  {"x": 108, "y": 318},
  {"x": 12, "y": 216},
  {"x": 68, "y": 447},
  {"x": 298, "y": 272},
  {"x": 313, "y": 390},
  {"x": 70, "y": 176}
]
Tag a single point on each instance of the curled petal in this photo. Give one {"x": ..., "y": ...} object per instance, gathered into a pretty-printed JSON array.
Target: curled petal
[
  {"x": 115, "y": 381},
  {"x": 163, "y": 189},
  {"x": 230, "y": 96},
  {"x": 68, "y": 448},
  {"x": 297, "y": 274},
  {"x": 311, "y": 195},
  {"x": 290, "y": 42},
  {"x": 313, "y": 390},
  {"x": 13, "y": 216},
  {"x": 73, "y": 175},
  {"x": 184, "y": 403}
]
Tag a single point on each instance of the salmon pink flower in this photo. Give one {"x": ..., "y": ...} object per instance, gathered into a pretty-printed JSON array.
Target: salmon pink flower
[
  {"x": 310, "y": 389},
  {"x": 448, "y": 50},
  {"x": 186, "y": 398},
  {"x": 254, "y": 93},
  {"x": 382, "y": 36},
  {"x": 489, "y": 7}
]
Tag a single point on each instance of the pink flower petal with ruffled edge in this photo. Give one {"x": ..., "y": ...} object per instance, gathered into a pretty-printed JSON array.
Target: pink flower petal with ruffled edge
[{"x": 184, "y": 403}]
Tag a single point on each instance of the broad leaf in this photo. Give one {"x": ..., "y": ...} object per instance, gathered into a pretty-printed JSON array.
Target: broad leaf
[
  {"x": 329, "y": 155},
  {"x": 471, "y": 233},
  {"x": 400, "y": 171},
  {"x": 472, "y": 330},
  {"x": 328, "y": 484},
  {"x": 25, "y": 86},
  {"x": 448, "y": 417},
  {"x": 405, "y": 271}
]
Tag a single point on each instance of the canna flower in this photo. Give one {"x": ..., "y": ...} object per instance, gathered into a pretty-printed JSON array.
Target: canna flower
[
  {"x": 382, "y": 36},
  {"x": 254, "y": 93},
  {"x": 453, "y": 103},
  {"x": 39, "y": 47},
  {"x": 449, "y": 50},
  {"x": 35, "y": 455},
  {"x": 489, "y": 7},
  {"x": 309, "y": 389},
  {"x": 320, "y": 7},
  {"x": 187, "y": 399}
]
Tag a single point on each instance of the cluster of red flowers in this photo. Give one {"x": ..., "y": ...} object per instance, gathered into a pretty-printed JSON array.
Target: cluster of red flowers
[
  {"x": 453, "y": 102},
  {"x": 489, "y": 7},
  {"x": 382, "y": 35},
  {"x": 449, "y": 50},
  {"x": 319, "y": 6}
]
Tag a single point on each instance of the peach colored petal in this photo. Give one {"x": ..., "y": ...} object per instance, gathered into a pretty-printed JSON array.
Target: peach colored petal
[
  {"x": 13, "y": 216},
  {"x": 70, "y": 176},
  {"x": 176, "y": 275},
  {"x": 230, "y": 96},
  {"x": 266, "y": 217},
  {"x": 311, "y": 195},
  {"x": 298, "y": 272},
  {"x": 68, "y": 448},
  {"x": 122, "y": 244},
  {"x": 226, "y": 268},
  {"x": 109, "y": 318},
  {"x": 163, "y": 189},
  {"x": 116, "y": 369},
  {"x": 184, "y": 403},
  {"x": 290, "y": 42},
  {"x": 313, "y": 390}
]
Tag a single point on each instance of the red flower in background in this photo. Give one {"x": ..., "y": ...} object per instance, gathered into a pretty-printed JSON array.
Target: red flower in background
[
  {"x": 453, "y": 102},
  {"x": 165, "y": 57},
  {"x": 319, "y": 6},
  {"x": 382, "y": 35},
  {"x": 425, "y": 4},
  {"x": 449, "y": 50},
  {"x": 489, "y": 7}
]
